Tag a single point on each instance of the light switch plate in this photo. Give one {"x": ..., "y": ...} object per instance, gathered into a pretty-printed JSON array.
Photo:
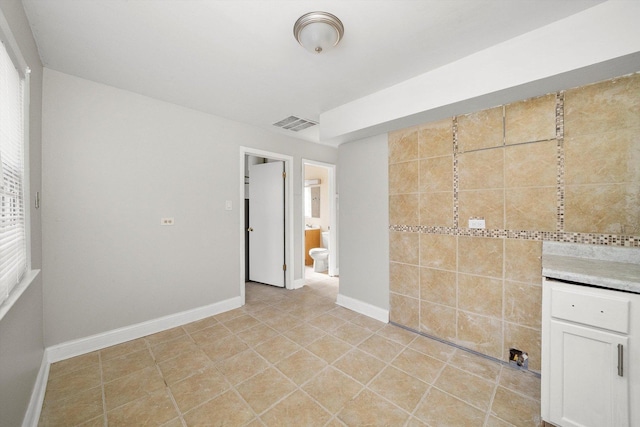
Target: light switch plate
[
  {"x": 228, "y": 205},
  {"x": 476, "y": 223}
]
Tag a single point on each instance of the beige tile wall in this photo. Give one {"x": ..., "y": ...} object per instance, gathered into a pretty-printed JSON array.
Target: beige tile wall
[
  {"x": 602, "y": 157},
  {"x": 562, "y": 167}
]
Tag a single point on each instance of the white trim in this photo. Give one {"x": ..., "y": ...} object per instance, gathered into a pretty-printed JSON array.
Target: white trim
[
  {"x": 13, "y": 50},
  {"x": 16, "y": 292},
  {"x": 333, "y": 215},
  {"x": 118, "y": 336},
  {"x": 363, "y": 308},
  {"x": 289, "y": 230},
  {"x": 32, "y": 415},
  {"x": 298, "y": 283}
]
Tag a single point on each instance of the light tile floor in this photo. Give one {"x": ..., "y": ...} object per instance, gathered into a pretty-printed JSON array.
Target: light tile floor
[{"x": 288, "y": 358}]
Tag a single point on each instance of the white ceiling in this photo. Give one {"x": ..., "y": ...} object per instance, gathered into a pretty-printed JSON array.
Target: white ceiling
[{"x": 239, "y": 60}]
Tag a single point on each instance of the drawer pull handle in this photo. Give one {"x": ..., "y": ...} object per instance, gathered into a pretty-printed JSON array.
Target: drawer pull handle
[{"x": 620, "y": 360}]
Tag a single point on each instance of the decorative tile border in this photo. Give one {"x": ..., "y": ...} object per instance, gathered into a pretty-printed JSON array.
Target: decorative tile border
[
  {"x": 554, "y": 236},
  {"x": 560, "y": 159},
  {"x": 551, "y": 236},
  {"x": 456, "y": 180}
]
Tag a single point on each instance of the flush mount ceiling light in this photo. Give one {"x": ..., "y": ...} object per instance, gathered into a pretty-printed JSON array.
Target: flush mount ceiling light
[{"x": 318, "y": 31}]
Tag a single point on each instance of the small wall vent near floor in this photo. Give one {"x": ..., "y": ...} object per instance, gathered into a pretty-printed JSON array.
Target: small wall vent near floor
[{"x": 295, "y": 124}]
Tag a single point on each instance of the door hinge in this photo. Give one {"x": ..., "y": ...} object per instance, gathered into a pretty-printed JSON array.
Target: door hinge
[
  {"x": 284, "y": 175},
  {"x": 284, "y": 267}
]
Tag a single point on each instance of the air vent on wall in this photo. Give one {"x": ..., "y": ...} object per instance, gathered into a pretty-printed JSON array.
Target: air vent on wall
[{"x": 295, "y": 124}]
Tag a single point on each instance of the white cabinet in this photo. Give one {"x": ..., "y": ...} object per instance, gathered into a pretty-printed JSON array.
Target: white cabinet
[
  {"x": 587, "y": 375},
  {"x": 585, "y": 389}
]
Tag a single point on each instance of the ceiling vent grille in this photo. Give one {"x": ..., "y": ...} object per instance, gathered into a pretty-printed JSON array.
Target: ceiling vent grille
[{"x": 295, "y": 124}]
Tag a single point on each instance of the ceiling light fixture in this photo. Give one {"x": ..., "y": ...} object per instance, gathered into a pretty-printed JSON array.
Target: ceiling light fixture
[{"x": 318, "y": 31}]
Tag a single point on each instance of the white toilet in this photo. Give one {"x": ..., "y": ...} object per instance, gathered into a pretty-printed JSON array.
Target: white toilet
[{"x": 321, "y": 255}]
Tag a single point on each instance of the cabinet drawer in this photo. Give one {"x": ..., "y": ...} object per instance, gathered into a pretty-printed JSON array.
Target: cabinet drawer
[{"x": 590, "y": 308}]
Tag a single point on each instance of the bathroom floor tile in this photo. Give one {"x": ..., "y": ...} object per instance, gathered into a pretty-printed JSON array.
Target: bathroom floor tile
[
  {"x": 277, "y": 348},
  {"x": 170, "y": 349},
  {"x": 298, "y": 409},
  {"x": 381, "y": 348},
  {"x": 242, "y": 366},
  {"x": 73, "y": 410},
  {"x": 288, "y": 358},
  {"x": 328, "y": 348},
  {"x": 352, "y": 333},
  {"x": 125, "y": 365},
  {"x": 516, "y": 409},
  {"x": 370, "y": 409},
  {"x": 122, "y": 349},
  {"x": 441, "y": 409},
  {"x": 360, "y": 365},
  {"x": 304, "y": 334},
  {"x": 132, "y": 387},
  {"x": 332, "y": 389},
  {"x": 419, "y": 365},
  {"x": 198, "y": 388},
  {"x": 264, "y": 389},
  {"x": 184, "y": 366},
  {"x": 65, "y": 366},
  {"x": 224, "y": 348},
  {"x": 154, "y": 409},
  {"x": 74, "y": 382},
  {"x": 301, "y": 366},
  {"x": 466, "y": 387},
  {"x": 399, "y": 387},
  {"x": 227, "y": 409}
]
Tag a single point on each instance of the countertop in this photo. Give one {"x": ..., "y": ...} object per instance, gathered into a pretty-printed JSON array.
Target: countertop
[{"x": 609, "y": 267}]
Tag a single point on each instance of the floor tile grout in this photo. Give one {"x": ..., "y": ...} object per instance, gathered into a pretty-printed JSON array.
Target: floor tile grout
[{"x": 309, "y": 308}]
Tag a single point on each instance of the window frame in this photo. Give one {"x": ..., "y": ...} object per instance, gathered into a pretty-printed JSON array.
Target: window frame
[{"x": 13, "y": 50}]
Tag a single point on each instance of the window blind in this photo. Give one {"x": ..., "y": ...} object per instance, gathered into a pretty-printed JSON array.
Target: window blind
[{"x": 13, "y": 251}]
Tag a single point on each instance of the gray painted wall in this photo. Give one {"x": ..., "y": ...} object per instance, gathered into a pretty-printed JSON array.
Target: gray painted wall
[
  {"x": 21, "y": 336},
  {"x": 364, "y": 220},
  {"x": 114, "y": 163}
]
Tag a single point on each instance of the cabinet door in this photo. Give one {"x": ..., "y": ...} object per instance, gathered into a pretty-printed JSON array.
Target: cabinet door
[
  {"x": 585, "y": 386},
  {"x": 311, "y": 241}
]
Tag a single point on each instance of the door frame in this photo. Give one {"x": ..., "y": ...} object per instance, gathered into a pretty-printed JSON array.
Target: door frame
[
  {"x": 288, "y": 214},
  {"x": 333, "y": 217}
]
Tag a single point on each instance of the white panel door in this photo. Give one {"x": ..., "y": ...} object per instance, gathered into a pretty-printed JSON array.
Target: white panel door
[{"x": 266, "y": 223}]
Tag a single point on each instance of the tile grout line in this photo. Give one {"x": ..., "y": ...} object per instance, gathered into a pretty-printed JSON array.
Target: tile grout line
[
  {"x": 493, "y": 395},
  {"x": 385, "y": 332},
  {"x": 104, "y": 397},
  {"x": 273, "y": 365},
  {"x": 387, "y": 365},
  {"x": 431, "y": 386}
]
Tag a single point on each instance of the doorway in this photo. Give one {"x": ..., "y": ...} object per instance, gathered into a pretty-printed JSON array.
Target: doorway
[
  {"x": 319, "y": 213},
  {"x": 286, "y": 163}
]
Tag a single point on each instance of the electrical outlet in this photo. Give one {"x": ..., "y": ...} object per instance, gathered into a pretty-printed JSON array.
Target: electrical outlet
[
  {"x": 476, "y": 223},
  {"x": 166, "y": 221},
  {"x": 519, "y": 358}
]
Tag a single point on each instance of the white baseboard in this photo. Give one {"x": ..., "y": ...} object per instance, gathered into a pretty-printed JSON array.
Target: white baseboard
[
  {"x": 118, "y": 336},
  {"x": 298, "y": 283},
  {"x": 363, "y": 308},
  {"x": 32, "y": 415}
]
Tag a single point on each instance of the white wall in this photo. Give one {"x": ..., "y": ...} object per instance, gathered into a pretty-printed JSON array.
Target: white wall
[
  {"x": 364, "y": 220},
  {"x": 114, "y": 163},
  {"x": 21, "y": 336}
]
